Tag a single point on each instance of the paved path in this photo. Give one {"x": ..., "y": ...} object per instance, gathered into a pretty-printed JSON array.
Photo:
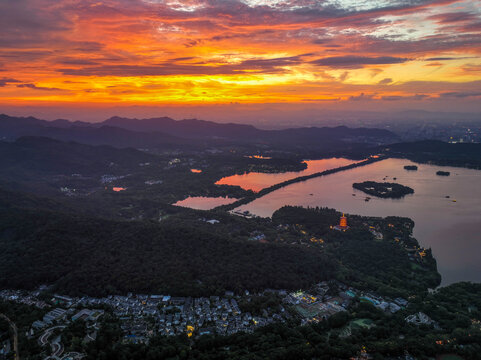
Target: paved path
[
  {"x": 249, "y": 198},
  {"x": 55, "y": 344},
  {"x": 15, "y": 336}
]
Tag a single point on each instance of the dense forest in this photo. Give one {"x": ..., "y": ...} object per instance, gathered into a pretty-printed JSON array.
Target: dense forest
[
  {"x": 23, "y": 316},
  {"x": 184, "y": 255},
  {"x": 88, "y": 255},
  {"x": 365, "y": 262},
  {"x": 438, "y": 152}
]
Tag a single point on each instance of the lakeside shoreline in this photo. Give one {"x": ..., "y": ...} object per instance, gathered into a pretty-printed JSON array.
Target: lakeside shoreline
[{"x": 295, "y": 180}]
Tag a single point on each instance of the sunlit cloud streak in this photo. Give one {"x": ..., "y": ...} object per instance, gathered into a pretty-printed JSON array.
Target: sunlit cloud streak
[{"x": 145, "y": 52}]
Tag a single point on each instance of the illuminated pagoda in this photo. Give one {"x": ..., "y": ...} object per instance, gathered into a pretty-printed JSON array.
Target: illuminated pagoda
[{"x": 342, "y": 224}]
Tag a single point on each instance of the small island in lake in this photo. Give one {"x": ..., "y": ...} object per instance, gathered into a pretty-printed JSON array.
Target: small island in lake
[
  {"x": 443, "y": 173},
  {"x": 384, "y": 189},
  {"x": 411, "y": 167}
]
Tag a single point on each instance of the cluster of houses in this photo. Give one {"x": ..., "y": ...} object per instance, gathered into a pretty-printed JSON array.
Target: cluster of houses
[
  {"x": 106, "y": 179},
  {"x": 421, "y": 318},
  {"x": 415, "y": 253},
  {"x": 377, "y": 234},
  {"x": 63, "y": 311},
  {"x": 145, "y": 315},
  {"x": 257, "y": 236},
  {"x": 27, "y": 298},
  {"x": 323, "y": 303},
  {"x": 49, "y": 318},
  {"x": 142, "y": 316}
]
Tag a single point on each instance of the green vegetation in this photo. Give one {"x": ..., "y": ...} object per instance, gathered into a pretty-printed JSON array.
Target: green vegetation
[
  {"x": 73, "y": 335},
  {"x": 381, "y": 335},
  {"x": 82, "y": 176},
  {"x": 363, "y": 262},
  {"x": 184, "y": 255},
  {"x": 383, "y": 190},
  {"x": 257, "y": 304},
  {"x": 437, "y": 152},
  {"x": 362, "y": 323},
  {"x": 98, "y": 242},
  {"x": 81, "y": 254},
  {"x": 23, "y": 316},
  {"x": 455, "y": 308}
]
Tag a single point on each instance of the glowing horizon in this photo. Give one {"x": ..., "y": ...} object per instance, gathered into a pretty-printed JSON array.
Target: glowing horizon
[{"x": 203, "y": 53}]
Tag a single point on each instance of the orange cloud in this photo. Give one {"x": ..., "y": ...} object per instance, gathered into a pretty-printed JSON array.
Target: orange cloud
[{"x": 149, "y": 52}]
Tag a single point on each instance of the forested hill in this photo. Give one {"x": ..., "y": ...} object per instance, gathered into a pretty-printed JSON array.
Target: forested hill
[
  {"x": 438, "y": 152},
  {"x": 12, "y": 128},
  {"x": 193, "y": 128},
  {"x": 188, "y": 128},
  {"x": 42, "y": 165},
  {"x": 366, "y": 262},
  {"x": 83, "y": 255},
  {"x": 47, "y": 155},
  {"x": 166, "y": 132}
]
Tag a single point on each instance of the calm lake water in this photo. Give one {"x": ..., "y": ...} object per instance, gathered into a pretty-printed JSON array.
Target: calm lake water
[
  {"x": 204, "y": 203},
  {"x": 256, "y": 181},
  {"x": 451, "y": 229}
]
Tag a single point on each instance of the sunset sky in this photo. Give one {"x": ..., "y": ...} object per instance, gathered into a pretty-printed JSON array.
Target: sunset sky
[{"x": 340, "y": 54}]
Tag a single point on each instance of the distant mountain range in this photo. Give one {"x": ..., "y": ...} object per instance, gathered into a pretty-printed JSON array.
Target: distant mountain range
[
  {"x": 12, "y": 128},
  {"x": 165, "y": 132}
]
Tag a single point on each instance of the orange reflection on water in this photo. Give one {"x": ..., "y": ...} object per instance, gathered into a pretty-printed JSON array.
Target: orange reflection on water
[
  {"x": 256, "y": 181},
  {"x": 196, "y": 171},
  {"x": 117, "y": 189},
  {"x": 204, "y": 203}
]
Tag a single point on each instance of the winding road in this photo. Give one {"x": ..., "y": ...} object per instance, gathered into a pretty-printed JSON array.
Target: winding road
[
  {"x": 15, "y": 335},
  {"x": 55, "y": 344}
]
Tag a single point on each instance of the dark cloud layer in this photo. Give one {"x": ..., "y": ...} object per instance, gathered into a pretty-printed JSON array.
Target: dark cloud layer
[
  {"x": 289, "y": 50},
  {"x": 35, "y": 87},
  {"x": 461, "y": 94},
  {"x": 174, "y": 68},
  {"x": 354, "y": 62},
  {"x": 6, "y": 81}
]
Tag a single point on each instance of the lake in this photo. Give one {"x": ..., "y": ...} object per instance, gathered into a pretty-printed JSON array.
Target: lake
[
  {"x": 451, "y": 229},
  {"x": 257, "y": 181},
  {"x": 204, "y": 203}
]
